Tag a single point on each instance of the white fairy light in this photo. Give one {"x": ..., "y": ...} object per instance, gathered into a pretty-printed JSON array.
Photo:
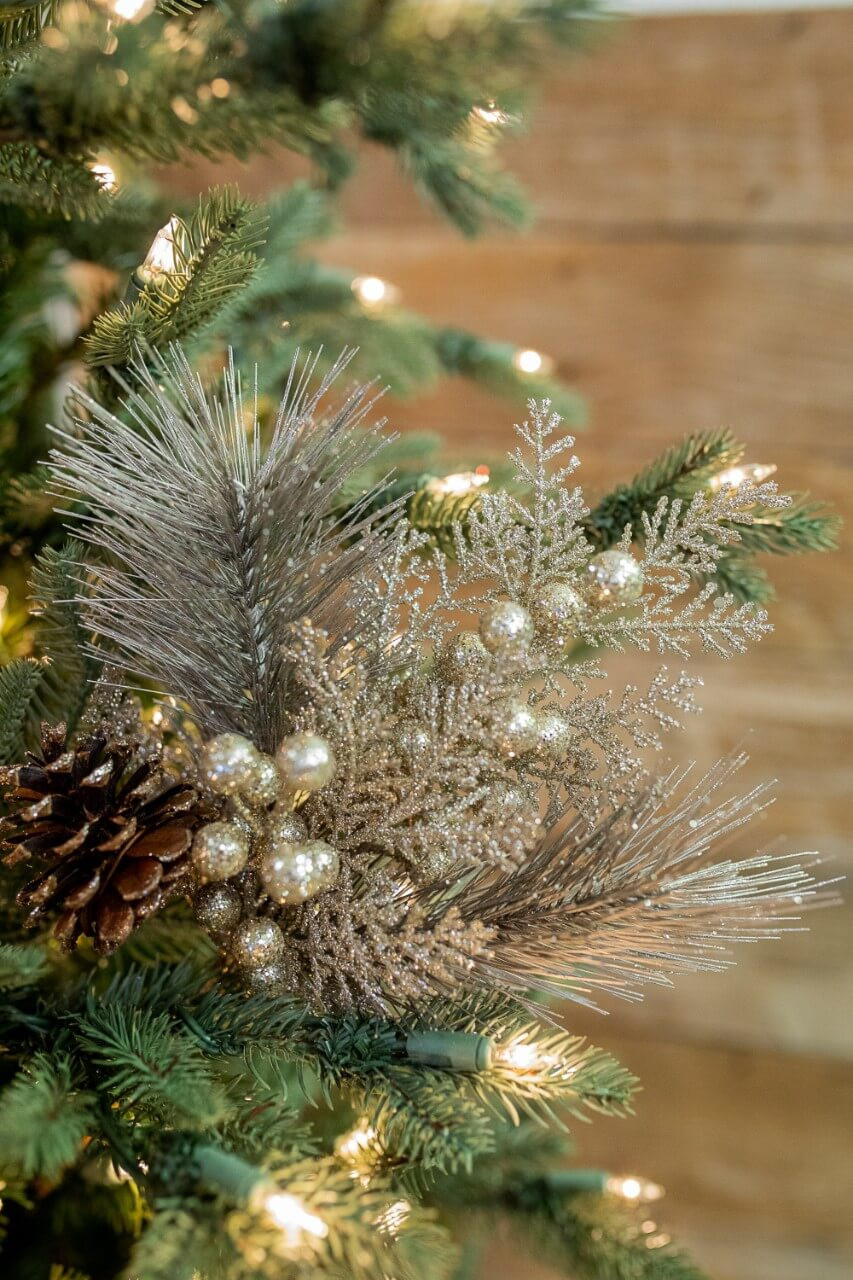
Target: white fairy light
[
  {"x": 523, "y": 1056},
  {"x": 635, "y": 1189},
  {"x": 526, "y": 360},
  {"x": 373, "y": 292},
  {"x": 392, "y": 1218},
  {"x": 754, "y": 472},
  {"x": 491, "y": 113},
  {"x": 459, "y": 482},
  {"x": 289, "y": 1213},
  {"x": 105, "y": 175},
  {"x": 128, "y": 10},
  {"x": 351, "y": 1145},
  {"x": 160, "y": 258}
]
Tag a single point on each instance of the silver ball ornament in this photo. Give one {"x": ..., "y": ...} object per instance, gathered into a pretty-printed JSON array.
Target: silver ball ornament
[
  {"x": 557, "y": 609},
  {"x": 220, "y": 850},
  {"x": 256, "y": 943},
  {"x": 306, "y": 762},
  {"x": 616, "y": 578},
  {"x": 515, "y": 727},
  {"x": 506, "y": 627},
  {"x": 218, "y": 907},
  {"x": 293, "y": 873},
  {"x": 555, "y": 734},
  {"x": 229, "y": 763},
  {"x": 265, "y": 786},
  {"x": 465, "y": 657}
]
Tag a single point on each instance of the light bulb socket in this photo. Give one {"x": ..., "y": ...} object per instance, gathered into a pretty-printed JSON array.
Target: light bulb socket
[{"x": 452, "y": 1050}]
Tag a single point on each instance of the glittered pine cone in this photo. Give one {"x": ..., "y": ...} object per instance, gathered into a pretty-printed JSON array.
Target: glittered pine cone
[{"x": 109, "y": 831}]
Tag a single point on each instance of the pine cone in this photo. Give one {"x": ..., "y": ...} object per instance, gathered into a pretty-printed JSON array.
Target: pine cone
[{"x": 111, "y": 831}]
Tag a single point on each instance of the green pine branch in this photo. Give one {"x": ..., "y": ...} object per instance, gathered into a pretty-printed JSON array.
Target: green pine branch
[
  {"x": 61, "y": 633},
  {"x": 214, "y": 257},
  {"x": 680, "y": 472},
  {"x": 149, "y": 1067},
  {"x": 44, "y": 1118},
  {"x": 803, "y": 525},
  {"x": 19, "y": 686},
  {"x": 22, "y": 22},
  {"x": 22, "y": 966},
  {"x": 595, "y": 1236}
]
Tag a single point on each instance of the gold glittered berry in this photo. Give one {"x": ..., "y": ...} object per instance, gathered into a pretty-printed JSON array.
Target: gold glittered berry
[
  {"x": 229, "y": 764},
  {"x": 293, "y": 873},
  {"x": 265, "y": 785},
  {"x": 557, "y": 608},
  {"x": 515, "y": 727},
  {"x": 615, "y": 578},
  {"x": 464, "y": 658},
  {"x": 506, "y": 627},
  {"x": 256, "y": 943},
  {"x": 305, "y": 762},
  {"x": 555, "y": 734},
  {"x": 218, "y": 907},
  {"x": 220, "y": 850}
]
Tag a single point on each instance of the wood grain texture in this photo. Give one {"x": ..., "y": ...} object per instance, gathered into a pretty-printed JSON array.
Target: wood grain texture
[{"x": 693, "y": 267}]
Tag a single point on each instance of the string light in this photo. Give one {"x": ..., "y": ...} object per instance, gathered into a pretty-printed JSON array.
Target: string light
[
  {"x": 129, "y": 10},
  {"x": 523, "y": 1056},
  {"x": 373, "y": 292},
  {"x": 460, "y": 482},
  {"x": 630, "y": 1187},
  {"x": 754, "y": 472},
  {"x": 105, "y": 176},
  {"x": 526, "y": 360},
  {"x": 350, "y": 1146},
  {"x": 491, "y": 113},
  {"x": 161, "y": 257},
  {"x": 392, "y": 1218},
  {"x": 519, "y": 1056},
  {"x": 289, "y": 1213}
]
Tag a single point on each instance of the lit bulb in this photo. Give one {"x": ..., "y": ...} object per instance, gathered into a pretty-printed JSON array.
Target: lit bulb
[
  {"x": 160, "y": 259},
  {"x": 392, "y": 1218},
  {"x": 105, "y": 176},
  {"x": 529, "y": 361},
  {"x": 491, "y": 113},
  {"x": 754, "y": 472},
  {"x": 289, "y": 1213},
  {"x": 130, "y": 9},
  {"x": 350, "y": 1145},
  {"x": 522, "y": 1056},
  {"x": 633, "y": 1188},
  {"x": 459, "y": 483},
  {"x": 374, "y": 293}
]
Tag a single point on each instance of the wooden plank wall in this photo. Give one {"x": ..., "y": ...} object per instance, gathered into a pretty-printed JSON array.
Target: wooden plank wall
[{"x": 693, "y": 266}]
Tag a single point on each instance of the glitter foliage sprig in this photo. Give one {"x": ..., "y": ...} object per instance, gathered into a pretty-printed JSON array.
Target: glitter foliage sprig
[{"x": 453, "y": 803}]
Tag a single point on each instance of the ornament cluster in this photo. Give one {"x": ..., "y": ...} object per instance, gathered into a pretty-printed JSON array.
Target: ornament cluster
[{"x": 259, "y": 856}]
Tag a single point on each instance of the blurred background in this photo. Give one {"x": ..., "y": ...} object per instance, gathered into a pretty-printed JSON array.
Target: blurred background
[{"x": 692, "y": 267}]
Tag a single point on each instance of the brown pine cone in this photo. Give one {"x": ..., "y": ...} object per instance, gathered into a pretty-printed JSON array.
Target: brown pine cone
[{"x": 110, "y": 831}]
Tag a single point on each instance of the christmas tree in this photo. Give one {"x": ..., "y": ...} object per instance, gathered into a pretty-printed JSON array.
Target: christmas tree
[{"x": 318, "y": 815}]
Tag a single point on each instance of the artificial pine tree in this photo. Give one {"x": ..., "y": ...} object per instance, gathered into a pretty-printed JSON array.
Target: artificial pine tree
[{"x": 312, "y": 794}]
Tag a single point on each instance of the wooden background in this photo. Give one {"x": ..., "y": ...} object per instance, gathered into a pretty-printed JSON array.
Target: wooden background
[{"x": 692, "y": 266}]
